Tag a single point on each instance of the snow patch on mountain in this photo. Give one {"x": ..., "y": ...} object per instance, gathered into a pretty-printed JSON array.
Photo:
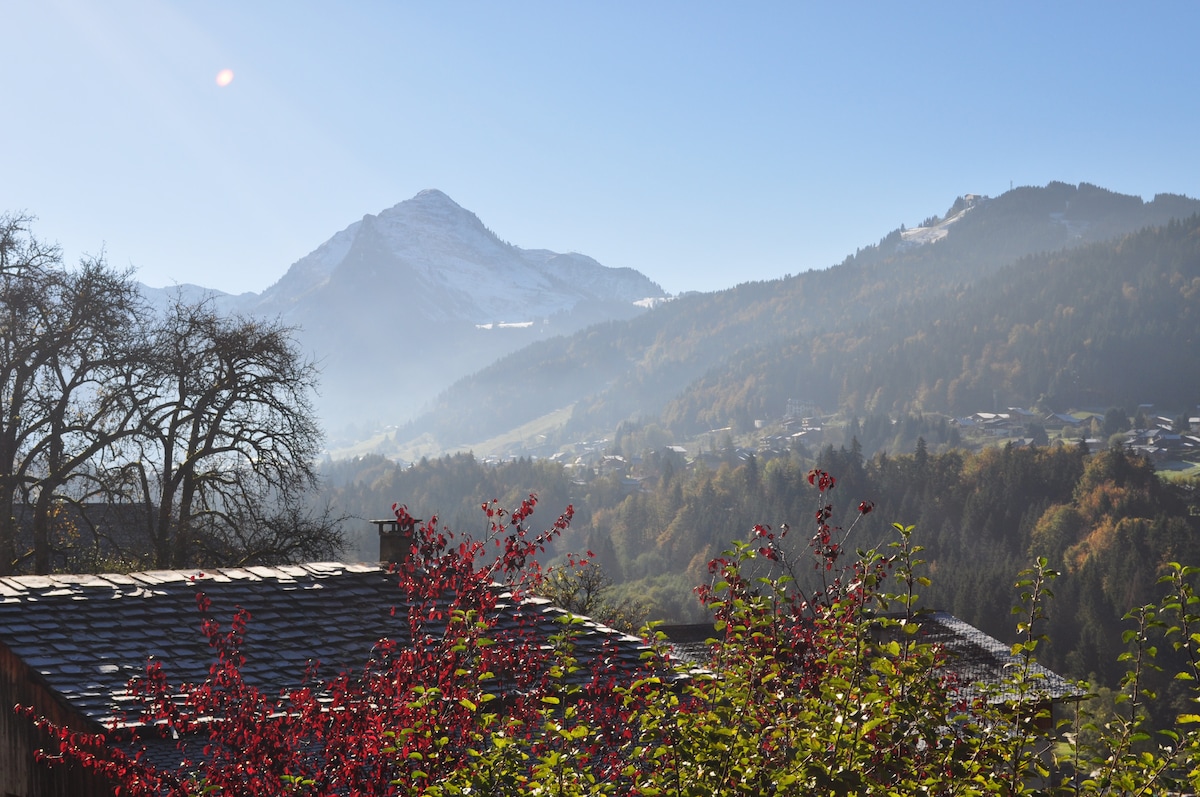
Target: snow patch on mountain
[
  {"x": 506, "y": 325},
  {"x": 919, "y": 236}
]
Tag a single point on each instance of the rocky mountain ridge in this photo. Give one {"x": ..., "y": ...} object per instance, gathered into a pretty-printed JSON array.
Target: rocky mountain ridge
[
  {"x": 851, "y": 336},
  {"x": 425, "y": 293}
]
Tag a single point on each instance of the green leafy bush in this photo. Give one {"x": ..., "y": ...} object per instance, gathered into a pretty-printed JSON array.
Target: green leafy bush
[{"x": 830, "y": 690}]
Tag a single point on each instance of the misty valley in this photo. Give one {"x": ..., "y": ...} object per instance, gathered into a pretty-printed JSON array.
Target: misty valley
[{"x": 1017, "y": 380}]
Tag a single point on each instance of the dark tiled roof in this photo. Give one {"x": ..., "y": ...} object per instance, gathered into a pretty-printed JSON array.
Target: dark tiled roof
[
  {"x": 983, "y": 666},
  {"x": 88, "y": 532},
  {"x": 978, "y": 663},
  {"x": 87, "y": 635},
  {"x": 690, "y": 643}
]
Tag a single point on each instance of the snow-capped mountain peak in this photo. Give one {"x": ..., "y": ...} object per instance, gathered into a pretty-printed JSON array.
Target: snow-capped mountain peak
[
  {"x": 447, "y": 264},
  {"x": 421, "y": 294}
]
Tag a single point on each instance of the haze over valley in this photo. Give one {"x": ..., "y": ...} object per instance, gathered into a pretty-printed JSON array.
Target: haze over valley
[
  {"x": 420, "y": 295},
  {"x": 270, "y": 274},
  {"x": 511, "y": 352}
]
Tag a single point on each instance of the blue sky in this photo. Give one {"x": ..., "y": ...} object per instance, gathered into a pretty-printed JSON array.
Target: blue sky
[{"x": 704, "y": 144}]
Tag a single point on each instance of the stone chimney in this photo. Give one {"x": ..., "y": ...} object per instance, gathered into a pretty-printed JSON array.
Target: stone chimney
[{"x": 396, "y": 537}]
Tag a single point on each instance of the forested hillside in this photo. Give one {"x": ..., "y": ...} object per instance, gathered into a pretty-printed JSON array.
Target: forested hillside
[
  {"x": 1034, "y": 295},
  {"x": 1050, "y": 298},
  {"x": 1105, "y": 519},
  {"x": 1100, "y": 325}
]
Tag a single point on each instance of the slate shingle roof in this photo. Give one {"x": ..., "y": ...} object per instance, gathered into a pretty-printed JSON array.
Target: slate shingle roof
[
  {"x": 980, "y": 663},
  {"x": 977, "y": 662},
  {"x": 87, "y": 635}
]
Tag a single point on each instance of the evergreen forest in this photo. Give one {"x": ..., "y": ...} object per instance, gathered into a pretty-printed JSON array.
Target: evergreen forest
[
  {"x": 1106, "y": 520},
  {"x": 1055, "y": 299}
]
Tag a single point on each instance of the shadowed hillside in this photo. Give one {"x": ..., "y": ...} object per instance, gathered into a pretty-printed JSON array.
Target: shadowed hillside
[{"x": 1015, "y": 299}]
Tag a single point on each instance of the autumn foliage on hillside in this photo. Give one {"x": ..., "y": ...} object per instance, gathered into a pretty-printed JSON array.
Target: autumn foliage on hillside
[{"x": 824, "y": 690}]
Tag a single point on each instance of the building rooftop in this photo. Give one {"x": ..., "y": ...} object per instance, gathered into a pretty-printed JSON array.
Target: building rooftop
[
  {"x": 983, "y": 666},
  {"x": 87, "y": 635},
  {"x": 980, "y": 665}
]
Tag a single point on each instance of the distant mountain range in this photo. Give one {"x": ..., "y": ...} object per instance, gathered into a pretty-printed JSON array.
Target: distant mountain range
[
  {"x": 435, "y": 335},
  {"x": 398, "y": 305},
  {"x": 1039, "y": 296}
]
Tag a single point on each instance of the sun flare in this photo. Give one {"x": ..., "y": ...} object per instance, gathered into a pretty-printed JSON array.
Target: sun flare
[{"x": 224, "y": 77}]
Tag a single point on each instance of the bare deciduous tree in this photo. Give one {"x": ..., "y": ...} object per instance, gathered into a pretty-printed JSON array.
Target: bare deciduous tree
[
  {"x": 202, "y": 422},
  {"x": 228, "y": 428},
  {"x": 68, "y": 346}
]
